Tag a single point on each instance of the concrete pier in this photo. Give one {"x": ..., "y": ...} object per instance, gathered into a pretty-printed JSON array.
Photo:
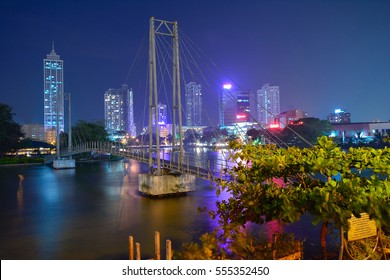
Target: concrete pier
[
  {"x": 160, "y": 185},
  {"x": 64, "y": 163}
]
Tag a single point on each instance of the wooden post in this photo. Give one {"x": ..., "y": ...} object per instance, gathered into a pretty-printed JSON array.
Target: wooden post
[
  {"x": 131, "y": 248},
  {"x": 208, "y": 170},
  {"x": 341, "y": 244},
  {"x": 157, "y": 250},
  {"x": 138, "y": 251},
  {"x": 168, "y": 246}
]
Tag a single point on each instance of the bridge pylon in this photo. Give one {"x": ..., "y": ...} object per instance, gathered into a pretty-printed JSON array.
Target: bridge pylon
[{"x": 159, "y": 176}]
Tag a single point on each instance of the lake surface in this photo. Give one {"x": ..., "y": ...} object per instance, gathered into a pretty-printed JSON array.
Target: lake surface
[{"x": 89, "y": 212}]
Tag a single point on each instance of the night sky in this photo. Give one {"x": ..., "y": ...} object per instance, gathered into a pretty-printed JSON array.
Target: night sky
[{"x": 323, "y": 55}]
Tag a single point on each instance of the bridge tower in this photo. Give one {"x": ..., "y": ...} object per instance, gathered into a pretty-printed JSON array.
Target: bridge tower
[
  {"x": 157, "y": 183},
  {"x": 170, "y": 29}
]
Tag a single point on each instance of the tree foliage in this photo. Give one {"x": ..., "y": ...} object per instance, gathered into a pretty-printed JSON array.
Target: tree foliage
[
  {"x": 88, "y": 131},
  {"x": 271, "y": 183},
  {"x": 305, "y": 131},
  {"x": 191, "y": 136},
  {"x": 10, "y": 131}
]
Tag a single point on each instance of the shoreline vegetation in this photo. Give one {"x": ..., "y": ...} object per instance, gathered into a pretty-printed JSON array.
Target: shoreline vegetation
[{"x": 16, "y": 161}]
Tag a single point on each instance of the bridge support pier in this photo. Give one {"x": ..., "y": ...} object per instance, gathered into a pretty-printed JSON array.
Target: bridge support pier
[
  {"x": 64, "y": 163},
  {"x": 160, "y": 185}
]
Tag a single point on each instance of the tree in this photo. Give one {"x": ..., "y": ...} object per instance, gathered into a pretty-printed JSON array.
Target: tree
[
  {"x": 270, "y": 183},
  {"x": 190, "y": 136},
  {"x": 208, "y": 136},
  {"x": 88, "y": 131},
  {"x": 305, "y": 131},
  {"x": 10, "y": 131}
]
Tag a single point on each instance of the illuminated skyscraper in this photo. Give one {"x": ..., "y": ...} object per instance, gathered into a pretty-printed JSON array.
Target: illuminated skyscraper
[
  {"x": 193, "y": 104},
  {"x": 53, "y": 86},
  {"x": 266, "y": 105},
  {"x": 162, "y": 114},
  {"x": 234, "y": 106},
  {"x": 119, "y": 110}
]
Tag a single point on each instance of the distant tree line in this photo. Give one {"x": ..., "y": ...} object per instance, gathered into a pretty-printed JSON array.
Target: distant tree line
[{"x": 10, "y": 131}]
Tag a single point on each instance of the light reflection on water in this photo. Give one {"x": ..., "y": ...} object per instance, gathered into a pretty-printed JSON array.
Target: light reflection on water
[{"x": 89, "y": 212}]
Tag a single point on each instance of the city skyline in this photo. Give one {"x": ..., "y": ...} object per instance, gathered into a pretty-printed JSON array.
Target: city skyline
[{"x": 323, "y": 54}]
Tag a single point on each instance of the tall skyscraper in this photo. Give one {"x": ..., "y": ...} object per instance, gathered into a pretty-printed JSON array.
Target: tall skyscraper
[
  {"x": 234, "y": 106},
  {"x": 119, "y": 110},
  {"x": 53, "y": 86},
  {"x": 193, "y": 104},
  {"x": 162, "y": 114},
  {"x": 266, "y": 105}
]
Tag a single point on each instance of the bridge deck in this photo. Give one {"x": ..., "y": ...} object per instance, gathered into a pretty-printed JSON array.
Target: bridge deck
[{"x": 185, "y": 164}]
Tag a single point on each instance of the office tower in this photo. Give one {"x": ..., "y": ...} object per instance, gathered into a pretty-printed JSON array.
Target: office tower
[
  {"x": 227, "y": 105},
  {"x": 193, "y": 104},
  {"x": 243, "y": 107},
  {"x": 162, "y": 114},
  {"x": 339, "y": 116},
  {"x": 53, "y": 86},
  {"x": 266, "y": 105},
  {"x": 234, "y": 106},
  {"x": 119, "y": 111}
]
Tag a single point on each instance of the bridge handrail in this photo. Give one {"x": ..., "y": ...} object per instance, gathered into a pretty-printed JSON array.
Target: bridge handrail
[{"x": 186, "y": 164}]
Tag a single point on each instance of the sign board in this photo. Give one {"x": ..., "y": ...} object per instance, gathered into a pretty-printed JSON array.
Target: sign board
[{"x": 360, "y": 228}]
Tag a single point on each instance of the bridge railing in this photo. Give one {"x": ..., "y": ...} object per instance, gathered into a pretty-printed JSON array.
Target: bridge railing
[{"x": 186, "y": 163}]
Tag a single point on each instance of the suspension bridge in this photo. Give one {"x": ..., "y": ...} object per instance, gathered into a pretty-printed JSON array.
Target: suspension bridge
[
  {"x": 171, "y": 162},
  {"x": 172, "y": 170}
]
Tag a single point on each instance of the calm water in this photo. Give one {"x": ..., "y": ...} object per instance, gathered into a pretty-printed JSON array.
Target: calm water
[{"x": 89, "y": 212}]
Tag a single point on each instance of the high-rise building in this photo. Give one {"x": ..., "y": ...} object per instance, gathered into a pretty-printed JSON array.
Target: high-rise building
[
  {"x": 243, "y": 107},
  {"x": 162, "y": 114},
  {"x": 266, "y": 105},
  {"x": 119, "y": 110},
  {"x": 339, "y": 116},
  {"x": 193, "y": 104},
  {"x": 53, "y": 86},
  {"x": 234, "y": 106}
]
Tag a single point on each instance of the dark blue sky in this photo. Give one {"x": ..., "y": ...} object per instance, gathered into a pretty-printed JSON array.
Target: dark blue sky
[{"x": 323, "y": 54}]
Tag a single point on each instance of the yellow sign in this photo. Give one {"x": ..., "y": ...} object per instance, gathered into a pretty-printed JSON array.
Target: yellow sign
[{"x": 360, "y": 228}]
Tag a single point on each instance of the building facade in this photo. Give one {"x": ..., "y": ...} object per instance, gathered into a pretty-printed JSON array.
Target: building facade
[
  {"x": 266, "y": 105},
  {"x": 285, "y": 118},
  {"x": 339, "y": 116},
  {"x": 119, "y": 110},
  {"x": 33, "y": 131},
  {"x": 162, "y": 118},
  {"x": 234, "y": 106},
  {"x": 243, "y": 107},
  {"x": 53, "y": 87},
  {"x": 193, "y": 100},
  {"x": 362, "y": 131}
]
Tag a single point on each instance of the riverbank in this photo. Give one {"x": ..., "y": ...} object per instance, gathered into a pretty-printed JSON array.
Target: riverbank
[
  {"x": 16, "y": 161},
  {"x": 13, "y": 161}
]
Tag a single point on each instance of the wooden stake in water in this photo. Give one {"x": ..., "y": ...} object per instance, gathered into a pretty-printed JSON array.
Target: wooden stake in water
[
  {"x": 157, "y": 247},
  {"x": 168, "y": 246},
  {"x": 138, "y": 251},
  {"x": 131, "y": 248}
]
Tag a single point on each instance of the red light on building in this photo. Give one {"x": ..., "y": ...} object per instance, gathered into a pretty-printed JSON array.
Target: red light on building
[
  {"x": 241, "y": 116},
  {"x": 296, "y": 123},
  {"x": 274, "y": 125}
]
